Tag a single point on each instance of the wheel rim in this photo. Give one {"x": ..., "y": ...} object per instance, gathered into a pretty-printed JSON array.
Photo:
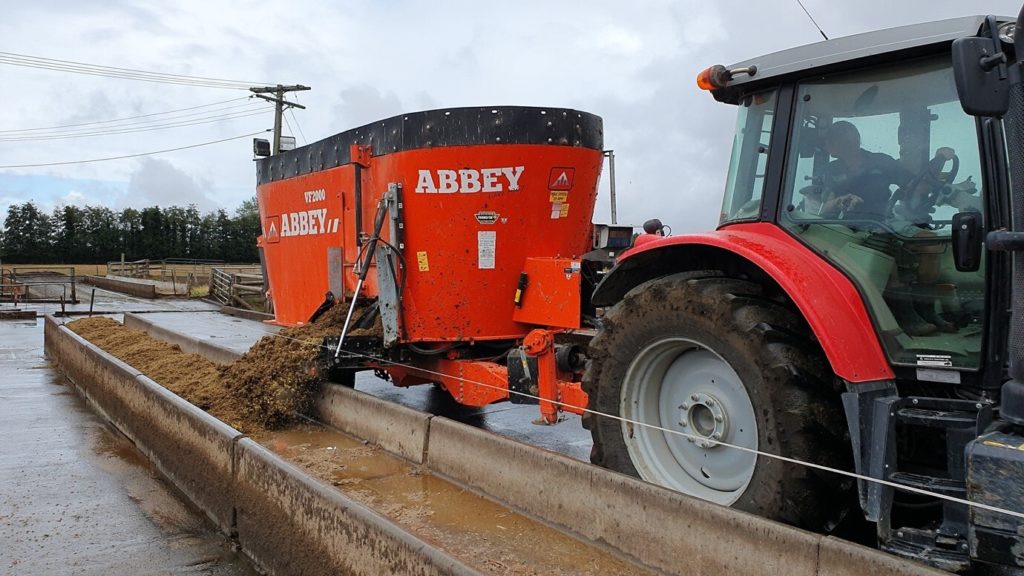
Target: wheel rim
[{"x": 683, "y": 386}]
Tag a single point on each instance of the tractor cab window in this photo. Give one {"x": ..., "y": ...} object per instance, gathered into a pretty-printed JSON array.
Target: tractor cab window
[
  {"x": 880, "y": 162},
  {"x": 745, "y": 184}
]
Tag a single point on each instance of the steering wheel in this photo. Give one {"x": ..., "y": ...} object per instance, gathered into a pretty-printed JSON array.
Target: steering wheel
[{"x": 918, "y": 198}]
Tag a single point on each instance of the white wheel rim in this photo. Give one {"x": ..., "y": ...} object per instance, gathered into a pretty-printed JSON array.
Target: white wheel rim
[{"x": 683, "y": 386}]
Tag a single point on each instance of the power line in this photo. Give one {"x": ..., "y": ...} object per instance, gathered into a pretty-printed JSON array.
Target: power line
[
  {"x": 812, "y": 20},
  {"x": 134, "y": 155},
  {"x": 289, "y": 125},
  {"x": 112, "y": 120},
  {"x": 297, "y": 125},
  {"x": 130, "y": 128},
  {"x": 38, "y": 62},
  {"x": 70, "y": 65},
  {"x": 125, "y": 77}
]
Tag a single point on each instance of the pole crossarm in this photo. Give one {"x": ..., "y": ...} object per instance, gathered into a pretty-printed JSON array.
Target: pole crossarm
[{"x": 279, "y": 105}]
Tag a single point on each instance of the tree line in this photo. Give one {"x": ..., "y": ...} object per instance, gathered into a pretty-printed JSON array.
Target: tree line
[{"x": 96, "y": 234}]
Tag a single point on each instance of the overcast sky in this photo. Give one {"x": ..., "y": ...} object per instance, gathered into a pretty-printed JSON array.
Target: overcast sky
[{"x": 632, "y": 63}]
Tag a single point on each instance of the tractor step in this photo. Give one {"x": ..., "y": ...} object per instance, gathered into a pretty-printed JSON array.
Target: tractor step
[
  {"x": 944, "y": 486},
  {"x": 921, "y": 545},
  {"x": 937, "y": 418}
]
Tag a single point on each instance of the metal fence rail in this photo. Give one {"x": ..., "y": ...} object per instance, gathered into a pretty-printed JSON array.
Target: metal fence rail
[
  {"x": 170, "y": 268},
  {"x": 35, "y": 284},
  {"x": 238, "y": 287}
]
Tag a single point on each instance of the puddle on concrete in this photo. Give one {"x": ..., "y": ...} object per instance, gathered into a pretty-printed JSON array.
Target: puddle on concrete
[
  {"x": 486, "y": 535},
  {"x": 185, "y": 526}
]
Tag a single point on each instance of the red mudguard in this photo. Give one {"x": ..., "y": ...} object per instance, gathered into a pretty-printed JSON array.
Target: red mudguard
[{"x": 825, "y": 296}]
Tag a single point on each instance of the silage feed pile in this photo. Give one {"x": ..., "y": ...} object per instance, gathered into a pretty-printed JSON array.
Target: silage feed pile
[{"x": 265, "y": 389}]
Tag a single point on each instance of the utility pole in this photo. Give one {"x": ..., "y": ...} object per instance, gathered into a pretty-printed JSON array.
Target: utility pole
[{"x": 279, "y": 105}]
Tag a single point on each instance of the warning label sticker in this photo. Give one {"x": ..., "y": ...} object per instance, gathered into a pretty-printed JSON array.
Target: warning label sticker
[
  {"x": 485, "y": 248},
  {"x": 556, "y": 211},
  {"x": 272, "y": 235},
  {"x": 935, "y": 360},
  {"x": 421, "y": 260},
  {"x": 561, "y": 178},
  {"x": 557, "y": 196}
]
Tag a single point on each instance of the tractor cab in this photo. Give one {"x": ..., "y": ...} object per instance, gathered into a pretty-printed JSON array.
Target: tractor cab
[
  {"x": 867, "y": 158},
  {"x": 851, "y": 309}
]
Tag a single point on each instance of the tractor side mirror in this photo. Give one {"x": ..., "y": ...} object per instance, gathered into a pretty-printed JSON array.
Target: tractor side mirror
[
  {"x": 979, "y": 67},
  {"x": 967, "y": 241}
]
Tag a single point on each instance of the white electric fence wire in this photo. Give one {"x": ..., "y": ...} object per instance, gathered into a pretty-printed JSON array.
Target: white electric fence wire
[{"x": 846, "y": 473}]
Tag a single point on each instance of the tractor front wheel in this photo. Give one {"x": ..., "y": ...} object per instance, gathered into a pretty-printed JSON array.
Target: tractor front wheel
[{"x": 692, "y": 362}]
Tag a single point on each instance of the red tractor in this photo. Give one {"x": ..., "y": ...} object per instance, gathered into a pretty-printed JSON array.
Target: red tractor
[{"x": 852, "y": 308}]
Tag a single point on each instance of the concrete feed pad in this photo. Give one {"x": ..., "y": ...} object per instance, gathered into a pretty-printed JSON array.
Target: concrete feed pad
[
  {"x": 290, "y": 523},
  {"x": 188, "y": 446},
  {"x": 285, "y": 520},
  {"x": 658, "y": 528}
]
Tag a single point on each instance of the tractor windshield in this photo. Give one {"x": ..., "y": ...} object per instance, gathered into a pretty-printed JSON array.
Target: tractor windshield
[{"x": 880, "y": 162}]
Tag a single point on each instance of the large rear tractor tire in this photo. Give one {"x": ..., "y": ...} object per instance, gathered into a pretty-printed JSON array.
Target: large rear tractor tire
[{"x": 717, "y": 359}]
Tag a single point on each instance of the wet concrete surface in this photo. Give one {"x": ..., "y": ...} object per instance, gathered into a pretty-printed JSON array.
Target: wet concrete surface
[
  {"x": 485, "y": 535},
  {"x": 75, "y": 496},
  {"x": 512, "y": 420}
]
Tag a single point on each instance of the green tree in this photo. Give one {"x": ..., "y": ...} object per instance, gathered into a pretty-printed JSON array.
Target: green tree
[
  {"x": 68, "y": 234},
  {"x": 27, "y": 236}
]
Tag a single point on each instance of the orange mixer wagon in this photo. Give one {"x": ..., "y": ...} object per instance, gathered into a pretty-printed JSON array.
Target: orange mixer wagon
[{"x": 469, "y": 226}]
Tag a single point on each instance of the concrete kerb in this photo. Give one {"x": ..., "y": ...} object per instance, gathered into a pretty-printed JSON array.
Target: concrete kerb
[
  {"x": 291, "y": 523},
  {"x": 841, "y": 558},
  {"x": 191, "y": 448},
  {"x": 287, "y": 521},
  {"x": 212, "y": 352},
  {"x": 657, "y": 527},
  {"x": 92, "y": 371},
  {"x": 188, "y": 446},
  {"x": 243, "y": 313},
  {"x": 137, "y": 289},
  {"x": 395, "y": 428}
]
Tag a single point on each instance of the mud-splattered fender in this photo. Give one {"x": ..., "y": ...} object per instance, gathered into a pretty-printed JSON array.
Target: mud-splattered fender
[{"x": 826, "y": 298}]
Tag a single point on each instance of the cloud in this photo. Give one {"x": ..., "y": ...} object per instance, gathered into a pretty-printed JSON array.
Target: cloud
[
  {"x": 633, "y": 63},
  {"x": 157, "y": 182},
  {"x": 73, "y": 198},
  {"x": 362, "y": 104}
]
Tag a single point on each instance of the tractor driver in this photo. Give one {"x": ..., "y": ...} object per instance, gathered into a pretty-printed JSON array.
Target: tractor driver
[{"x": 856, "y": 184}]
